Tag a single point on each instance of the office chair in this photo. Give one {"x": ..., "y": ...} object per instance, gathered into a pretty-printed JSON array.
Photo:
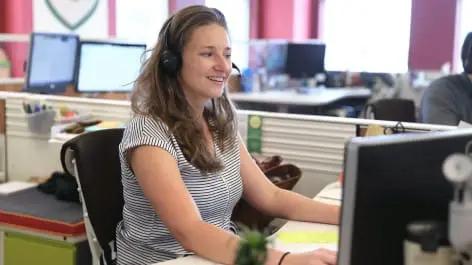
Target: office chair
[
  {"x": 94, "y": 161},
  {"x": 392, "y": 109}
]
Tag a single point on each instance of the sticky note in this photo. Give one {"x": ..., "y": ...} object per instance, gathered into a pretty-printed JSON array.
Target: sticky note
[{"x": 314, "y": 237}]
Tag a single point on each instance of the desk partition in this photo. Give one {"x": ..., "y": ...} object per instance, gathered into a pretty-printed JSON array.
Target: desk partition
[{"x": 313, "y": 143}]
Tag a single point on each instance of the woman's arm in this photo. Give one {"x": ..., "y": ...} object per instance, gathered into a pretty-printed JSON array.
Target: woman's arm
[
  {"x": 260, "y": 192},
  {"x": 159, "y": 177}
]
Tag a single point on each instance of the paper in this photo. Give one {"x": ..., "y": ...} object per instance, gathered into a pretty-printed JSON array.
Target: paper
[
  {"x": 311, "y": 237},
  {"x": 331, "y": 194},
  {"x": 14, "y": 186},
  {"x": 463, "y": 124}
]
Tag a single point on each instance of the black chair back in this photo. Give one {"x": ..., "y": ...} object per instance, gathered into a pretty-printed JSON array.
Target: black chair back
[
  {"x": 392, "y": 109},
  {"x": 98, "y": 171}
]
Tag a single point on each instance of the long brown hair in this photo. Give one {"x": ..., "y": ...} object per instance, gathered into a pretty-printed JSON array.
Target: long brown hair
[{"x": 159, "y": 94}]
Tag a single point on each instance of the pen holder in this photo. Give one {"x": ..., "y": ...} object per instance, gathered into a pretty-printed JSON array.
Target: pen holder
[{"x": 41, "y": 122}]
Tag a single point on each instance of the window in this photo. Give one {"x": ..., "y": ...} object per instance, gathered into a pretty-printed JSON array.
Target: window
[
  {"x": 366, "y": 35},
  {"x": 140, "y": 21},
  {"x": 463, "y": 26},
  {"x": 237, "y": 18}
]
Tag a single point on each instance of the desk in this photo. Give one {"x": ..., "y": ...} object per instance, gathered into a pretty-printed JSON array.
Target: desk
[
  {"x": 36, "y": 226},
  {"x": 312, "y": 97},
  {"x": 330, "y": 194}
]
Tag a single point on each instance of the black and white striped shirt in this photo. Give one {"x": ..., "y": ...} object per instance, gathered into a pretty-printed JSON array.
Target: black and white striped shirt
[{"x": 142, "y": 238}]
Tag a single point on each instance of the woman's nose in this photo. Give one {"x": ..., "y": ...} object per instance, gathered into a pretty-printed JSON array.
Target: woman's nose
[{"x": 222, "y": 64}]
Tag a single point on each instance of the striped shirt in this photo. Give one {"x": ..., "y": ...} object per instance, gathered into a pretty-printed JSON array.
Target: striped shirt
[{"x": 142, "y": 237}]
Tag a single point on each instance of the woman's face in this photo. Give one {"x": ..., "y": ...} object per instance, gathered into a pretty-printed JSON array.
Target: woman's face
[{"x": 206, "y": 64}]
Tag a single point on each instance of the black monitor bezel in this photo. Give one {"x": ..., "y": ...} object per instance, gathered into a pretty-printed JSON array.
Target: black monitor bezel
[
  {"x": 59, "y": 87},
  {"x": 77, "y": 87},
  {"x": 445, "y": 143},
  {"x": 290, "y": 60}
]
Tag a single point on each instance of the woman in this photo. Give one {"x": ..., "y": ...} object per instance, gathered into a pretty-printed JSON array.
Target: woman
[{"x": 183, "y": 166}]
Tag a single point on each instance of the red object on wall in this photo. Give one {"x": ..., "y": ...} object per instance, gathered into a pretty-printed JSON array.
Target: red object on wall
[
  {"x": 276, "y": 20},
  {"x": 112, "y": 18},
  {"x": 432, "y": 34},
  {"x": 2, "y": 16},
  {"x": 18, "y": 18},
  {"x": 291, "y": 19}
]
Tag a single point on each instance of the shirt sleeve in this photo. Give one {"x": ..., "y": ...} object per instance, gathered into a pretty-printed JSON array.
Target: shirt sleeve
[
  {"x": 143, "y": 130},
  {"x": 438, "y": 104}
]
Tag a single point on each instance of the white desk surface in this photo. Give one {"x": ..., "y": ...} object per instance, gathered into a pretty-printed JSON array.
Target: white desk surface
[
  {"x": 330, "y": 194},
  {"x": 312, "y": 97}
]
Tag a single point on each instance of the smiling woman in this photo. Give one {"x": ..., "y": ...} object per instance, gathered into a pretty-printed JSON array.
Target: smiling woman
[{"x": 184, "y": 168}]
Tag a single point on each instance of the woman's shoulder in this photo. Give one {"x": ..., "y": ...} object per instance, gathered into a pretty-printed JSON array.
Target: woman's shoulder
[{"x": 147, "y": 125}]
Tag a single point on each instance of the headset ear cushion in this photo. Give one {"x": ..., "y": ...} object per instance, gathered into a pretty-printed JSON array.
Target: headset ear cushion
[{"x": 169, "y": 62}]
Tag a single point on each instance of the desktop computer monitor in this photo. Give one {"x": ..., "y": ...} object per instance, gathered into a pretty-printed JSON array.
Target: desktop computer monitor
[
  {"x": 51, "y": 62},
  {"x": 108, "y": 66},
  {"x": 276, "y": 55},
  {"x": 305, "y": 60},
  {"x": 391, "y": 181}
]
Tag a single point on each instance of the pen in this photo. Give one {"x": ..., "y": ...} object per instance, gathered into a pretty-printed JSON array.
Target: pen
[
  {"x": 37, "y": 108},
  {"x": 27, "y": 108}
]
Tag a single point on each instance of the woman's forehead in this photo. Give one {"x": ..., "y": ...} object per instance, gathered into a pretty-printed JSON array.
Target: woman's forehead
[{"x": 212, "y": 35}]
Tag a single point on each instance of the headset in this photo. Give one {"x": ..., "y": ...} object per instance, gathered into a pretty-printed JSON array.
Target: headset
[
  {"x": 171, "y": 60},
  {"x": 466, "y": 54}
]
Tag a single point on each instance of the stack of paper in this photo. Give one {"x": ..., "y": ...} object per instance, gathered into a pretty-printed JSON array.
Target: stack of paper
[{"x": 15, "y": 186}]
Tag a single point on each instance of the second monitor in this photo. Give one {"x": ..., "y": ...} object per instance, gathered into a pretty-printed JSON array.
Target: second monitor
[
  {"x": 108, "y": 66},
  {"x": 305, "y": 60}
]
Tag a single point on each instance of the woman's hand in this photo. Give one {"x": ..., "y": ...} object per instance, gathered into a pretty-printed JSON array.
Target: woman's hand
[{"x": 316, "y": 257}]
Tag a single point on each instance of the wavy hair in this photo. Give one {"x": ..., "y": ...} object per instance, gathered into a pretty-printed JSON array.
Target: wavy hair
[{"x": 160, "y": 95}]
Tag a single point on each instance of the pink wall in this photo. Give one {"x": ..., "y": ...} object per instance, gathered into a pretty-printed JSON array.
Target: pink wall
[
  {"x": 18, "y": 18},
  {"x": 432, "y": 28},
  {"x": 255, "y": 13},
  {"x": 432, "y": 33},
  {"x": 289, "y": 19},
  {"x": 276, "y": 19},
  {"x": 316, "y": 18},
  {"x": 302, "y": 19},
  {"x": 112, "y": 18},
  {"x": 3, "y": 20}
]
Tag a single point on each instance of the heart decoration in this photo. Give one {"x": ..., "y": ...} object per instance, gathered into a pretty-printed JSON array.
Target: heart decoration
[{"x": 72, "y": 13}]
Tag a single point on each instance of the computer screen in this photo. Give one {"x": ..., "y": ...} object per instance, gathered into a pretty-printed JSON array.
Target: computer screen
[
  {"x": 276, "y": 55},
  {"x": 51, "y": 62},
  {"x": 391, "y": 181},
  {"x": 108, "y": 66},
  {"x": 305, "y": 60}
]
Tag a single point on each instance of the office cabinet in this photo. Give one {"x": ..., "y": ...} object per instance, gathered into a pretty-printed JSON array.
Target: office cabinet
[
  {"x": 20, "y": 248},
  {"x": 26, "y": 249},
  {"x": 39, "y": 229}
]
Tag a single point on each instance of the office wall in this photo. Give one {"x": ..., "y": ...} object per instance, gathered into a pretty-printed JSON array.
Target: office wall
[
  {"x": 296, "y": 19},
  {"x": 2, "y": 16},
  {"x": 432, "y": 28},
  {"x": 432, "y": 33},
  {"x": 175, "y": 5},
  {"x": 18, "y": 17}
]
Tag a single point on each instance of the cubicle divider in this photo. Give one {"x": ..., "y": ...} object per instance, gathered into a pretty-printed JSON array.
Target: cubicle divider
[
  {"x": 29, "y": 154},
  {"x": 313, "y": 143},
  {"x": 316, "y": 143}
]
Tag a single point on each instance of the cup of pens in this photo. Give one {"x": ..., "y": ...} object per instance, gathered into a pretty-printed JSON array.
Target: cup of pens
[{"x": 40, "y": 118}]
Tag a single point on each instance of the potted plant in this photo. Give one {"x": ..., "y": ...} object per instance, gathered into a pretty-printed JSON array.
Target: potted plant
[{"x": 253, "y": 248}]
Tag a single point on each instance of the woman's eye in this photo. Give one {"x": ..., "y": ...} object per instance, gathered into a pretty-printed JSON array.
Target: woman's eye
[
  {"x": 206, "y": 54},
  {"x": 228, "y": 56}
]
